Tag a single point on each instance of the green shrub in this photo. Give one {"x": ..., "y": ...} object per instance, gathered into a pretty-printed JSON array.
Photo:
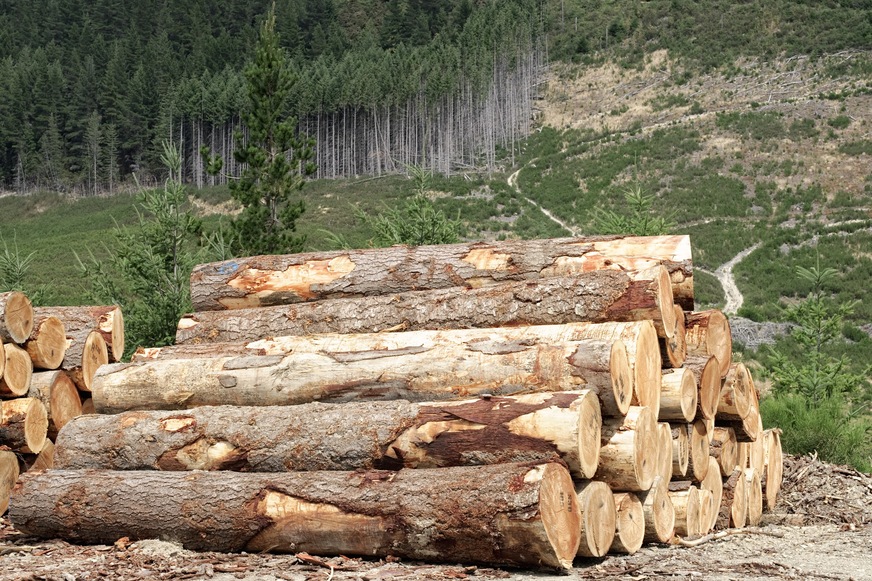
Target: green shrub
[{"x": 840, "y": 122}]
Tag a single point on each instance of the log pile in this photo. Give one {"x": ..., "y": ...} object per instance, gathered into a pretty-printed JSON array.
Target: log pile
[
  {"x": 520, "y": 403},
  {"x": 49, "y": 358}
]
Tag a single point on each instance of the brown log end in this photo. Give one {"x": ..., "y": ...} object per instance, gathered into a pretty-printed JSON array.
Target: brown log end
[
  {"x": 598, "y": 516},
  {"x": 674, "y": 350},
  {"x": 590, "y": 424},
  {"x": 17, "y": 316},
  {"x": 8, "y": 476},
  {"x": 65, "y": 403},
  {"x": 115, "y": 320},
  {"x": 629, "y": 524},
  {"x": 725, "y": 449},
  {"x": 47, "y": 344},
  {"x": 680, "y": 451},
  {"x": 94, "y": 355},
  {"x": 24, "y": 424},
  {"x": 17, "y": 373},
  {"x": 715, "y": 485}
]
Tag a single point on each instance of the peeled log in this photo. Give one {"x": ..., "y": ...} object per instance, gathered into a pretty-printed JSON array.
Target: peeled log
[
  {"x": 735, "y": 400},
  {"x": 598, "y": 518},
  {"x": 725, "y": 450},
  {"x": 108, "y": 321},
  {"x": 629, "y": 457},
  {"x": 506, "y": 514},
  {"x": 60, "y": 397},
  {"x": 678, "y": 395},
  {"x": 659, "y": 512},
  {"x": 685, "y": 500},
  {"x": 755, "y": 497},
  {"x": 674, "y": 349},
  {"x": 415, "y": 365},
  {"x": 262, "y": 281},
  {"x": 16, "y": 317},
  {"x": 365, "y": 435},
  {"x": 630, "y": 524},
  {"x": 699, "y": 450},
  {"x": 708, "y": 333},
  {"x": 733, "y": 510},
  {"x": 47, "y": 342},
  {"x": 8, "y": 475},
  {"x": 94, "y": 354},
  {"x": 715, "y": 485},
  {"x": 773, "y": 469},
  {"x": 23, "y": 424},
  {"x": 596, "y": 296},
  {"x": 17, "y": 371},
  {"x": 706, "y": 370}
]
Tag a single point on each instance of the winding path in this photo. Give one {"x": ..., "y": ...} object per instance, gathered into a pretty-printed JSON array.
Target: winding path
[
  {"x": 724, "y": 274},
  {"x": 513, "y": 183}
]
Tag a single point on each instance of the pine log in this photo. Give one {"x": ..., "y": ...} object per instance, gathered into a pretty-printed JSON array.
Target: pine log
[
  {"x": 598, "y": 518},
  {"x": 8, "y": 475},
  {"x": 659, "y": 512},
  {"x": 724, "y": 449},
  {"x": 733, "y": 510},
  {"x": 709, "y": 428},
  {"x": 749, "y": 428},
  {"x": 596, "y": 296},
  {"x": 707, "y": 511},
  {"x": 16, "y": 317},
  {"x": 715, "y": 485},
  {"x": 757, "y": 451},
  {"x": 773, "y": 470},
  {"x": 3, "y": 369},
  {"x": 23, "y": 424},
  {"x": 80, "y": 321},
  {"x": 706, "y": 370},
  {"x": 664, "y": 451},
  {"x": 363, "y": 435},
  {"x": 698, "y": 463},
  {"x": 506, "y": 514},
  {"x": 17, "y": 371},
  {"x": 629, "y": 524},
  {"x": 755, "y": 497},
  {"x": 680, "y": 451},
  {"x": 743, "y": 454},
  {"x": 87, "y": 405},
  {"x": 674, "y": 349},
  {"x": 628, "y": 457},
  {"x": 94, "y": 354},
  {"x": 734, "y": 402},
  {"x": 60, "y": 397},
  {"x": 414, "y": 365},
  {"x": 42, "y": 461},
  {"x": 47, "y": 342},
  {"x": 678, "y": 395},
  {"x": 685, "y": 501},
  {"x": 261, "y": 281},
  {"x": 708, "y": 333}
]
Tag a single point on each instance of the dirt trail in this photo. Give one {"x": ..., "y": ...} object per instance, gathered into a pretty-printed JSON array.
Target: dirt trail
[
  {"x": 724, "y": 274},
  {"x": 513, "y": 183}
]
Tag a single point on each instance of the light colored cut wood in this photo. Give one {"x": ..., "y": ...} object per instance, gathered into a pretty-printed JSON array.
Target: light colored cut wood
[
  {"x": 8, "y": 475},
  {"x": 724, "y": 448},
  {"x": 16, "y": 317},
  {"x": 658, "y": 511},
  {"x": 60, "y": 397},
  {"x": 733, "y": 511},
  {"x": 47, "y": 343},
  {"x": 773, "y": 469},
  {"x": 630, "y": 524},
  {"x": 680, "y": 451},
  {"x": 674, "y": 348},
  {"x": 714, "y": 484},
  {"x": 678, "y": 395},
  {"x": 629, "y": 457},
  {"x": 755, "y": 497},
  {"x": 23, "y": 424},
  {"x": 42, "y": 461},
  {"x": 94, "y": 355},
  {"x": 598, "y": 518},
  {"x": 664, "y": 451},
  {"x": 707, "y": 511},
  {"x": 17, "y": 371},
  {"x": 685, "y": 501},
  {"x": 735, "y": 401},
  {"x": 708, "y": 333},
  {"x": 80, "y": 321},
  {"x": 706, "y": 370},
  {"x": 698, "y": 463}
]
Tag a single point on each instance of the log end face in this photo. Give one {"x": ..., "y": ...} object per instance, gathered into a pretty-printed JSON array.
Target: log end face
[
  {"x": 118, "y": 342},
  {"x": 8, "y": 475},
  {"x": 646, "y": 442},
  {"x": 647, "y": 368},
  {"x": 560, "y": 512},
  {"x": 629, "y": 525},
  {"x": 622, "y": 377},
  {"x": 94, "y": 355},
  {"x": 590, "y": 424},
  {"x": 17, "y": 371},
  {"x": 598, "y": 515},
  {"x": 665, "y": 301},
  {"x": 49, "y": 346},
  {"x": 35, "y": 426},
  {"x": 710, "y": 388},
  {"x": 689, "y": 395},
  {"x": 18, "y": 316}
]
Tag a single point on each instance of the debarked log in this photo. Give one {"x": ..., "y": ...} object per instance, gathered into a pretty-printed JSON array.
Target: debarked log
[
  {"x": 505, "y": 514},
  {"x": 361, "y": 435}
]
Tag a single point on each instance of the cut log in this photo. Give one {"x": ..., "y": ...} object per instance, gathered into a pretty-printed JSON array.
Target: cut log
[
  {"x": 23, "y": 424},
  {"x": 678, "y": 395},
  {"x": 757, "y": 450},
  {"x": 598, "y": 518},
  {"x": 629, "y": 525},
  {"x": 680, "y": 451},
  {"x": 94, "y": 354},
  {"x": 415, "y": 365},
  {"x": 8, "y": 475},
  {"x": 628, "y": 457},
  {"x": 80, "y": 321},
  {"x": 774, "y": 468},
  {"x": 596, "y": 296},
  {"x": 506, "y": 514},
  {"x": 17, "y": 371},
  {"x": 706, "y": 370},
  {"x": 733, "y": 511},
  {"x": 659, "y": 512},
  {"x": 755, "y": 497},
  {"x": 87, "y": 406},
  {"x": 365, "y": 435},
  {"x": 725, "y": 450},
  {"x": 685, "y": 501},
  {"x": 60, "y": 397},
  {"x": 734, "y": 403},
  {"x": 743, "y": 454},
  {"x": 749, "y": 428},
  {"x": 715, "y": 485},
  {"x": 664, "y": 451},
  {"x": 708, "y": 333},
  {"x": 47, "y": 342},
  {"x": 16, "y": 317},
  {"x": 698, "y": 460},
  {"x": 261, "y": 281},
  {"x": 674, "y": 348},
  {"x": 707, "y": 511},
  {"x": 42, "y": 461}
]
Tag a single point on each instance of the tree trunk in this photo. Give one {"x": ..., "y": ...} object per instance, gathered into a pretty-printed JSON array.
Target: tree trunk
[
  {"x": 708, "y": 333},
  {"x": 734, "y": 402},
  {"x": 678, "y": 395},
  {"x": 685, "y": 501},
  {"x": 674, "y": 348},
  {"x": 755, "y": 497},
  {"x": 597, "y": 506},
  {"x": 506, "y": 514},
  {"x": 8, "y": 476},
  {"x": 16, "y": 317},
  {"x": 23, "y": 425},
  {"x": 415, "y": 365},
  {"x": 630, "y": 524},
  {"x": 366, "y": 435},
  {"x": 80, "y": 321},
  {"x": 596, "y": 296},
  {"x": 724, "y": 449},
  {"x": 733, "y": 510},
  {"x": 773, "y": 470},
  {"x": 273, "y": 280},
  {"x": 698, "y": 463},
  {"x": 47, "y": 342},
  {"x": 706, "y": 370},
  {"x": 17, "y": 371},
  {"x": 714, "y": 484},
  {"x": 94, "y": 354},
  {"x": 659, "y": 512},
  {"x": 749, "y": 428},
  {"x": 628, "y": 457},
  {"x": 60, "y": 397}
]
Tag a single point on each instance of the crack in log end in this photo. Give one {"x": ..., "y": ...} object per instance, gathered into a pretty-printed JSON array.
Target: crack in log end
[
  {"x": 295, "y": 283},
  {"x": 352, "y": 356},
  {"x": 488, "y": 259},
  {"x": 489, "y": 347},
  {"x": 178, "y": 424}
]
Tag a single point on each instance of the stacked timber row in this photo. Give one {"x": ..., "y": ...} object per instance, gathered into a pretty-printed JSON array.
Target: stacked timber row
[
  {"x": 516, "y": 403},
  {"x": 49, "y": 358}
]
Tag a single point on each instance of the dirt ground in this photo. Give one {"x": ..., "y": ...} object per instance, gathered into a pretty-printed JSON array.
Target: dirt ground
[{"x": 821, "y": 529}]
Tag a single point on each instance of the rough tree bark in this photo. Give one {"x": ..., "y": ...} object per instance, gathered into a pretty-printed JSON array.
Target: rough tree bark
[{"x": 724, "y": 449}]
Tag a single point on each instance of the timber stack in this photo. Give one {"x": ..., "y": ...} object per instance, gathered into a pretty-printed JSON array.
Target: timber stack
[
  {"x": 509, "y": 403},
  {"x": 49, "y": 357}
]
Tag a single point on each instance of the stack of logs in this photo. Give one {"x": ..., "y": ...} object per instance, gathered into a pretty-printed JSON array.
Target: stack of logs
[
  {"x": 515, "y": 403},
  {"x": 50, "y": 357}
]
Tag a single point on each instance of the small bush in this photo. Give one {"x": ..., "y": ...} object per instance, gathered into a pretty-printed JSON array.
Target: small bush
[{"x": 840, "y": 122}]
